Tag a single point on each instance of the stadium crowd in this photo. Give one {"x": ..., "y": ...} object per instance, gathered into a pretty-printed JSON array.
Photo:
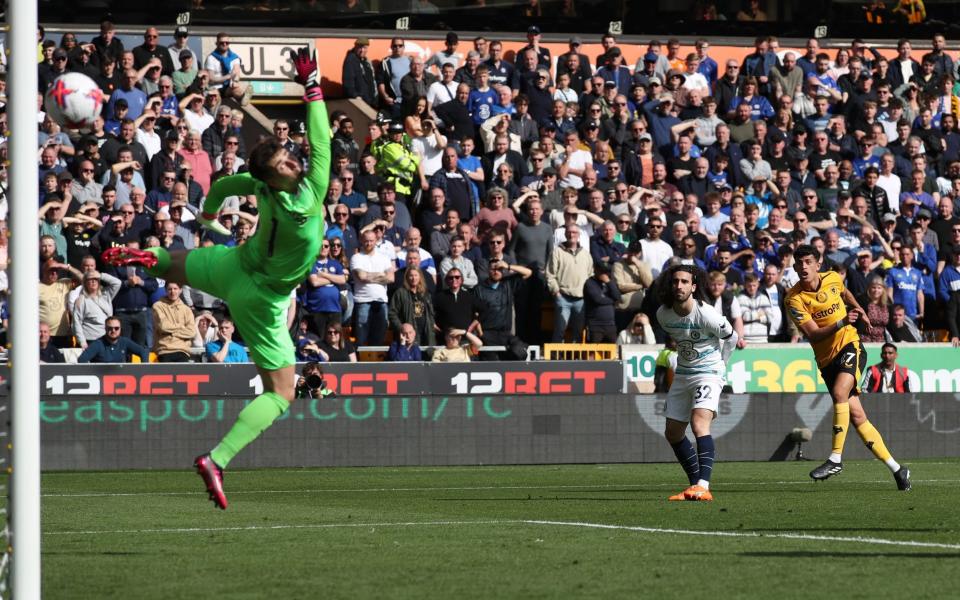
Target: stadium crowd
[{"x": 489, "y": 192}]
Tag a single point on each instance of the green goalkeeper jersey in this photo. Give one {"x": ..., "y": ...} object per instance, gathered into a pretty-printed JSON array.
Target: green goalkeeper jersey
[{"x": 290, "y": 226}]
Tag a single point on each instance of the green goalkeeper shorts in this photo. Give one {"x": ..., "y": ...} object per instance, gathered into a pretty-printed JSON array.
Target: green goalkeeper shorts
[{"x": 259, "y": 312}]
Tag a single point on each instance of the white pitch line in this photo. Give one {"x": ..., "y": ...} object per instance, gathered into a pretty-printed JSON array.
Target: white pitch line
[
  {"x": 585, "y": 525},
  {"x": 281, "y": 527},
  {"x": 467, "y": 488},
  {"x": 750, "y": 534}
]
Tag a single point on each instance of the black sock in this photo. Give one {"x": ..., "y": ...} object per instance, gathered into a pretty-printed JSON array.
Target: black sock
[
  {"x": 705, "y": 453},
  {"x": 687, "y": 457}
]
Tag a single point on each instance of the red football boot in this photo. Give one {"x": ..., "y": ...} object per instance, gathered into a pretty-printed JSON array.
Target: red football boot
[
  {"x": 122, "y": 256},
  {"x": 212, "y": 476}
]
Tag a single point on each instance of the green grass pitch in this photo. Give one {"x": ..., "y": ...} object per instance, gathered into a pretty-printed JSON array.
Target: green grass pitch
[{"x": 600, "y": 531}]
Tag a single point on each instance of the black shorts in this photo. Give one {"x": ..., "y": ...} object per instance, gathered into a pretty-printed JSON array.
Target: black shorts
[{"x": 852, "y": 359}]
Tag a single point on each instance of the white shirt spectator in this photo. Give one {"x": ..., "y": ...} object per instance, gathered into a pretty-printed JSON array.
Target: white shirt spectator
[
  {"x": 892, "y": 185},
  {"x": 198, "y": 122},
  {"x": 439, "y": 93},
  {"x": 431, "y": 152},
  {"x": 579, "y": 159},
  {"x": 655, "y": 254},
  {"x": 150, "y": 140},
  {"x": 371, "y": 263}
]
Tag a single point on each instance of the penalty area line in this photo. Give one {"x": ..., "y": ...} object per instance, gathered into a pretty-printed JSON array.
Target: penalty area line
[
  {"x": 539, "y": 522},
  {"x": 750, "y": 534}
]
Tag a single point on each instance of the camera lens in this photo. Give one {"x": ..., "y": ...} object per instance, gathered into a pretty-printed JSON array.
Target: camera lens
[{"x": 315, "y": 381}]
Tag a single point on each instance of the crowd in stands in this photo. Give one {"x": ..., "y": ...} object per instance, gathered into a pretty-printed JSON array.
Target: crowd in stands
[{"x": 490, "y": 195}]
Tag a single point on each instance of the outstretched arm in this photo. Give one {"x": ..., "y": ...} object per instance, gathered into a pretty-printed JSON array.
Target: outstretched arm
[{"x": 318, "y": 123}]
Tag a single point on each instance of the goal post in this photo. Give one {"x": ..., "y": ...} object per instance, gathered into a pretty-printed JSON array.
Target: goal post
[{"x": 24, "y": 508}]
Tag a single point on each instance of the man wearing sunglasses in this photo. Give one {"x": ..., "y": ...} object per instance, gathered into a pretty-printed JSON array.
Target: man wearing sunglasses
[
  {"x": 224, "y": 66},
  {"x": 113, "y": 347}
]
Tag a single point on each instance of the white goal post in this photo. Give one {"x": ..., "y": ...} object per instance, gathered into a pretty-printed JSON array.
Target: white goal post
[{"x": 24, "y": 508}]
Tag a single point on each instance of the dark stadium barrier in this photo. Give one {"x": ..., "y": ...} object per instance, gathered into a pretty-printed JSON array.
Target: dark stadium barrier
[{"x": 165, "y": 415}]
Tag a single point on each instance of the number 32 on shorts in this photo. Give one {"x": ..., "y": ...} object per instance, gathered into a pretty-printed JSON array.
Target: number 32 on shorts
[{"x": 702, "y": 393}]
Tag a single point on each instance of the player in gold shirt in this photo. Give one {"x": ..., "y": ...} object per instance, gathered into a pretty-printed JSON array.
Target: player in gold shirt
[{"x": 818, "y": 306}]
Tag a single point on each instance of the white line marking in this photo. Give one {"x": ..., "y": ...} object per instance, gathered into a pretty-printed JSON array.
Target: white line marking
[
  {"x": 750, "y": 534},
  {"x": 633, "y": 528},
  {"x": 472, "y": 488},
  {"x": 280, "y": 527}
]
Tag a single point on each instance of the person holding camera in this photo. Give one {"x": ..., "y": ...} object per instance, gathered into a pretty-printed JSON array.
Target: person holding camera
[{"x": 310, "y": 384}]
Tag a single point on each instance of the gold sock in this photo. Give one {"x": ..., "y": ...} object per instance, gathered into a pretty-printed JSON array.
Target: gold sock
[
  {"x": 872, "y": 440},
  {"x": 841, "y": 422}
]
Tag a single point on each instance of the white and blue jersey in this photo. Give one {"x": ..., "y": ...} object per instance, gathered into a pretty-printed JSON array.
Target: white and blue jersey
[
  {"x": 699, "y": 338},
  {"x": 905, "y": 284}
]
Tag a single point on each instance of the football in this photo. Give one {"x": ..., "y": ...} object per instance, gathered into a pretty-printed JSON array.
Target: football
[{"x": 74, "y": 101}]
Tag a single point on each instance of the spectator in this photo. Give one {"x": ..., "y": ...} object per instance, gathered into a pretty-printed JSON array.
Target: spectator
[
  {"x": 113, "y": 347},
  {"x": 726, "y": 302},
  {"x": 887, "y": 377},
  {"x": 224, "y": 67},
  {"x": 456, "y": 260},
  {"x": 320, "y": 293},
  {"x": 335, "y": 347},
  {"x": 781, "y": 329},
  {"x": 633, "y": 278},
  {"x": 755, "y": 310},
  {"x": 48, "y": 352},
  {"x": 874, "y": 302},
  {"x": 638, "y": 331},
  {"x": 173, "y": 326},
  {"x": 601, "y": 296},
  {"x": 54, "y": 312},
  {"x": 949, "y": 294},
  {"x": 905, "y": 285},
  {"x": 132, "y": 302},
  {"x": 411, "y": 306},
  {"x": 207, "y": 327},
  {"x": 359, "y": 79},
  {"x": 453, "y": 350},
  {"x": 405, "y": 348},
  {"x": 200, "y": 162},
  {"x": 604, "y": 248},
  {"x": 496, "y": 215},
  {"x": 454, "y": 306},
  {"x": 93, "y": 307},
  {"x": 224, "y": 349},
  {"x": 497, "y": 293},
  {"x": 656, "y": 252},
  {"x": 567, "y": 270},
  {"x": 372, "y": 272},
  {"x": 901, "y": 327}
]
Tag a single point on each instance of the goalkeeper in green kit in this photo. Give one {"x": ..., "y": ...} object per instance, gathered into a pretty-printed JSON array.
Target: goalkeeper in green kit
[{"x": 256, "y": 278}]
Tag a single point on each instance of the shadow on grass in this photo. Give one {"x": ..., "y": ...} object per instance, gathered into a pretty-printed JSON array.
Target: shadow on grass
[{"x": 827, "y": 553}]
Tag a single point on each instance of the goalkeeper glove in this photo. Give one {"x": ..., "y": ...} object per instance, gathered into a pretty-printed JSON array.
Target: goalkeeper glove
[{"x": 307, "y": 73}]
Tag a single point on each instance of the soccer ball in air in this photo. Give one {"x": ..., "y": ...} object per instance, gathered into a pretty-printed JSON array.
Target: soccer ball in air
[{"x": 74, "y": 101}]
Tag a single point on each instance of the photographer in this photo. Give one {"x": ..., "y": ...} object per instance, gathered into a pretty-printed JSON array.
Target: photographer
[{"x": 310, "y": 384}]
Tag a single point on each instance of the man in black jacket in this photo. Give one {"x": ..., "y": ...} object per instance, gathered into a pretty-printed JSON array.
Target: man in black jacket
[
  {"x": 601, "y": 295},
  {"x": 501, "y": 149},
  {"x": 359, "y": 80},
  {"x": 496, "y": 294},
  {"x": 454, "y": 306}
]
